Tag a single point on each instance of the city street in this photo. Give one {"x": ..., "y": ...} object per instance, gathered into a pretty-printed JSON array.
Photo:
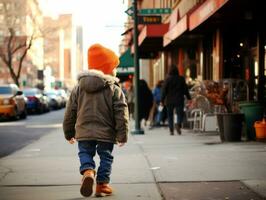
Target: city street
[
  {"x": 192, "y": 166},
  {"x": 16, "y": 134},
  {"x": 194, "y": 70}
]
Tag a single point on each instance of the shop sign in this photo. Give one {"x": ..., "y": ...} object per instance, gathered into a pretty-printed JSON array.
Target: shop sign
[
  {"x": 151, "y": 19},
  {"x": 125, "y": 70}
]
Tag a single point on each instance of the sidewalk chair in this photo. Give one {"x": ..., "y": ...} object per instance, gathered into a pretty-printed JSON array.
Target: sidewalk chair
[
  {"x": 197, "y": 119},
  {"x": 206, "y": 112}
]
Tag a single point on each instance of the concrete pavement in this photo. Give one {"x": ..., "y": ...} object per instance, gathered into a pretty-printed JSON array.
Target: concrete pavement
[{"x": 151, "y": 166}]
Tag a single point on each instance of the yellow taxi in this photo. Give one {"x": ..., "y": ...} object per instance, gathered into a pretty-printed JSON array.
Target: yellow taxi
[{"x": 12, "y": 102}]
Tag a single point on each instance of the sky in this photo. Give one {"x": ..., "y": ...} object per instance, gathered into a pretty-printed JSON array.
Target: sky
[{"x": 102, "y": 20}]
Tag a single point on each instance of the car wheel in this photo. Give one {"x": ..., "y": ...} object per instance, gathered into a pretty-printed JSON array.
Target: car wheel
[{"x": 40, "y": 109}]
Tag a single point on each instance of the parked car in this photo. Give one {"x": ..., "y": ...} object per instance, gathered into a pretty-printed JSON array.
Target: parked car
[
  {"x": 54, "y": 99},
  {"x": 63, "y": 94},
  {"x": 12, "y": 102},
  {"x": 37, "y": 102}
]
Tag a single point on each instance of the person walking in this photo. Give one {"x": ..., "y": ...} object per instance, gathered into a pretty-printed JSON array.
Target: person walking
[
  {"x": 145, "y": 99},
  {"x": 173, "y": 91},
  {"x": 130, "y": 100},
  {"x": 97, "y": 117},
  {"x": 156, "y": 111}
]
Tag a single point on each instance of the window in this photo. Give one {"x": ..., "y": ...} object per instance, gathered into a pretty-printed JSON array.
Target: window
[
  {"x": 2, "y": 17},
  {"x": 5, "y": 90},
  {"x": 8, "y": 6},
  {"x": 17, "y": 21}
]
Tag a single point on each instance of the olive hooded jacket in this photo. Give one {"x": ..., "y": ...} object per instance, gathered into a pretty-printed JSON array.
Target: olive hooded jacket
[{"x": 96, "y": 109}]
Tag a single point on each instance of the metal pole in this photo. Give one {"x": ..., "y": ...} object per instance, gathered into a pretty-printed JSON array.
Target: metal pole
[{"x": 136, "y": 63}]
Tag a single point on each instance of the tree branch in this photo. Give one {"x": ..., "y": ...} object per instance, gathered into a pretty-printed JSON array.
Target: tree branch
[
  {"x": 23, "y": 56},
  {"x": 18, "y": 47}
]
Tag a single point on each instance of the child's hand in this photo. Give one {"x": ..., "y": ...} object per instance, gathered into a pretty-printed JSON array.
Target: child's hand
[
  {"x": 71, "y": 141},
  {"x": 120, "y": 144}
]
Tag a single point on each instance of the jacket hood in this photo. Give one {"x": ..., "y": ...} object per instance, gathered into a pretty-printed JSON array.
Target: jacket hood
[{"x": 95, "y": 80}]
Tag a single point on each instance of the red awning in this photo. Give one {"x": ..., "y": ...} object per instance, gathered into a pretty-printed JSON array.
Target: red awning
[
  {"x": 204, "y": 11},
  {"x": 150, "y": 40},
  {"x": 180, "y": 27},
  {"x": 152, "y": 31}
]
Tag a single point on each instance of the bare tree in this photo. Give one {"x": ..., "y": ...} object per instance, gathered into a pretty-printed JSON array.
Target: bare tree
[{"x": 14, "y": 46}]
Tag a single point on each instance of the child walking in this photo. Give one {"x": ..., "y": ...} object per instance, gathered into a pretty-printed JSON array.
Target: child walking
[{"x": 97, "y": 117}]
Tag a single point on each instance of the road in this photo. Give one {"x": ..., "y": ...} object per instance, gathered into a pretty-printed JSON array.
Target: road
[{"x": 15, "y": 135}]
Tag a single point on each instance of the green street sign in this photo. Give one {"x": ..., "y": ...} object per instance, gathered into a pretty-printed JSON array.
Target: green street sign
[
  {"x": 156, "y": 11},
  {"x": 130, "y": 11}
]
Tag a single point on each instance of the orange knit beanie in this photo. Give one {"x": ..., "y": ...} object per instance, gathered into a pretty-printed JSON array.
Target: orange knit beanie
[{"x": 102, "y": 58}]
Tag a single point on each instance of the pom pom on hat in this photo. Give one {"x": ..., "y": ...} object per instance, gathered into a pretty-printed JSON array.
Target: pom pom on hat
[{"x": 102, "y": 58}]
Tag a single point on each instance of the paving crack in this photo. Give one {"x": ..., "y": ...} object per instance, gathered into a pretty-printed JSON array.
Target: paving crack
[
  {"x": 4, "y": 174},
  {"x": 151, "y": 167}
]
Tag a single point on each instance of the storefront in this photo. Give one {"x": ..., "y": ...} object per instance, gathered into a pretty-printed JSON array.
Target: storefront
[
  {"x": 125, "y": 70},
  {"x": 220, "y": 39},
  {"x": 150, "y": 43}
]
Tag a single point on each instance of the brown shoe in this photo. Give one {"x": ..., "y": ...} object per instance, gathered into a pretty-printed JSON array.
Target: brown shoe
[
  {"x": 103, "y": 189},
  {"x": 178, "y": 129},
  {"x": 86, "y": 188}
]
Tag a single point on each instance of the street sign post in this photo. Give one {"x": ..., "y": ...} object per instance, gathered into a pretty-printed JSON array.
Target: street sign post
[
  {"x": 150, "y": 19},
  {"x": 155, "y": 11},
  {"x": 137, "y": 129}
]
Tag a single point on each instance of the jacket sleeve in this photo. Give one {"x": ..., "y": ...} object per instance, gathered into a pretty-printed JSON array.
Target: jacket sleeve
[
  {"x": 70, "y": 116},
  {"x": 164, "y": 90},
  {"x": 120, "y": 115}
]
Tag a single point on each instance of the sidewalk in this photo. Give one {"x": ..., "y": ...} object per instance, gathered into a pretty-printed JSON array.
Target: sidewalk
[{"x": 190, "y": 166}]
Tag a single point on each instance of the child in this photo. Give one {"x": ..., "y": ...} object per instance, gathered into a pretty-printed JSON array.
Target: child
[{"x": 97, "y": 117}]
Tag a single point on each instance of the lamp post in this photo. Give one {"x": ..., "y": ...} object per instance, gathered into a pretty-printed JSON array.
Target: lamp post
[{"x": 138, "y": 129}]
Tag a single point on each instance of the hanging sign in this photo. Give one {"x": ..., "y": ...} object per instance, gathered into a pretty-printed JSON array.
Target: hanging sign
[{"x": 149, "y": 19}]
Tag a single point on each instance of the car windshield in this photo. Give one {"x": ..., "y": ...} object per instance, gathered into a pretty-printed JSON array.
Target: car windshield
[
  {"x": 61, "y": 92},
  {"x": 50, "y": 93},
  {"x": 5, "y": 90},
  {"x": 30, "y": 92}
]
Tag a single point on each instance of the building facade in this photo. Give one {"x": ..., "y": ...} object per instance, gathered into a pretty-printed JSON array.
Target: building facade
[
  {"x": 207, "y": 40},
  {"x": 63, "y": 54},
  {"x": 24, "y": 18}
]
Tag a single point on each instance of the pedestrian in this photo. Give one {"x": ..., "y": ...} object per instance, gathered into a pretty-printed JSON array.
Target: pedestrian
[
  {"x": 97, "y": 117},
  {"x": 173, "y": 92},
  {"x": 130, "y": 99},
  {"x": 157, "y": 91},
  {"x": 145, "y": 100}
]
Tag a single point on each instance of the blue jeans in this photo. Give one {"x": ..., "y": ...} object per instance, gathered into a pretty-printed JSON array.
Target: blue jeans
[
  {"x": 87, "y": 150},
  {"x": 170, "y": 114},
  {"x": 158, "y": 117}
]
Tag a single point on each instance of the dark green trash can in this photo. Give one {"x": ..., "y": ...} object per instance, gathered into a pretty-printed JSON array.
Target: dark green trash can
[{"x": 253, "y": 111}]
